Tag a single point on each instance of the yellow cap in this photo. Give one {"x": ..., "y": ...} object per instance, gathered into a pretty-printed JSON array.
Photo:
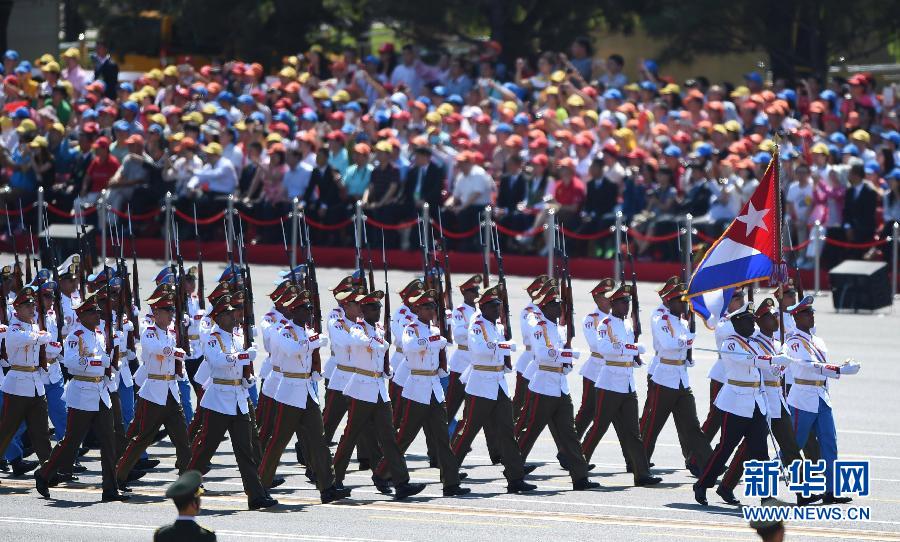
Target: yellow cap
[
  {"x": 632, "y": 87},
  {"x": 213, "y": 148},
  {"x": 732, "y": 126},
  {"x": 433, "y": 117},
  {"x": 820, "y": 148},
  {"x": 720, "y": 128},
  {"x": 240, "y": 126},
  {"x": 51, "y": 66},
  {"x": 558, "y": 76},
  {"x": 170, "y": 71},
  {"x": 551, "y": 90},
  {"x": 38, "y": 141},
  {"x": 177, "y": 136},
  {"x": 671, "y": 88},
  {"x": 292, "y": 60},
  {"x": 591, "y": 114},
  {"x": 71, "y": 52},
  {"x": 767, "y": 145},
  {"x": 384, "y": 146},
  {"x": 575, "y": 101},
  {"x": 45, "y": 58},
  {"x": 274, "y": 137},
  {"x": 320, "y": 94},
  {"x": 208, "y": 109},
  {"x": 860, "y": 135},
  {"x": 193, "y": 116},
  {"x": 26, "y": 125},
  {"x": 303, "y": 78},
  {"x": 155, "y": 73},
  {"x": 740, "y": 92},
  {"x": 58, "y": 127},
  {"x": 158, "y": 118},
  {"x": 288, "y": 72},
  {"x": 341, "y": 96},
  {"x": 444, "y": 109},
  {"x": 509, "y": 104}
]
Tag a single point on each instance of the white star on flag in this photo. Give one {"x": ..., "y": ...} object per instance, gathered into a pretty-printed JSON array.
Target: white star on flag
[{"x": 754, "y": 219}]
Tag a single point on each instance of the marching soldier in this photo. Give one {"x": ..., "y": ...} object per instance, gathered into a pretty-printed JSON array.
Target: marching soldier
[
  {"x": 526, "y": 356},
  {"x": 225, "y": 402},
  {"x": 88, "y": 401},
  {"x": 488, "y": 402},
  {"x": 401, "y": 318},
  {"x": 269, "y": 373},
  {"x": 590, "y": 370},
  {"x": 717, "y": 377},
  {"x": 743, "y": 404},
  {"x": 370, "y": 407},
  {"x": 159, "y": 395},
  {"x": 23, "y": 387},
  {"x": 671, "y": 390},
  {"x": 424, "y": 406},
  {"x": 765, "y": 343},
  {"x": 185, "y": 493},
  {"x": 295, "y": 399},
  {"x": 459, "y": 361},
  {"x": 194, "y": 316},
  {"x": 53, "y": 376},
  {"x": 617, "y": 401},
  {"x": 551, "y": 402},
  {"x": 809, "y": 398}
]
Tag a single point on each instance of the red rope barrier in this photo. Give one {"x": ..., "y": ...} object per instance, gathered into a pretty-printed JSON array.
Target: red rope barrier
[
  {"x": 801, "y": 246},
  {"x": 25, "y": 209},
  {"x": 139, "y": 217},
  {"x": 320, "y": 226},
  {"x": 845, "y": 244},
  {"x": 260, "y": 222},
  {"x": 400, "y": 226},
  {"x": 653, "y": 238},
  {"x": 513, "y": 233},
  {"x": 201, "y": 221},
  {"x": 453, "y": 234},
  {"x": 586, "y": 236},
  {"x": 69, "y": 214}
]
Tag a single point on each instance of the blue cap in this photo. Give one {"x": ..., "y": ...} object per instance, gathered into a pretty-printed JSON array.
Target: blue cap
[
  {"x": 371, "y": 59},
  {"x": 761, "y": 120},
  {"x": 672, "y": 151},
  {"x": 245, "y": 99},
  {"x": 504, "y": 128},
  {"x": 762, "y": 158},
  {"x": 834, "y": 150},
  {"x": 165, "y": 276},
  {"x": 99, "y": 276},
  {"x": 838, "y": 138},
  {"x": 425, "y": 100},
  {"x": 299, "y": 271},
  {"x": 127, "y": 87},
  {"x": 382, "y": 117},
  {"x": 283, "y": 116},
  {"x": 326, "y": 104},
  {"x": 850, "y": 149},
  {"x": 229, "y": 273},
  {"x": 348, "y": 128},
  {"x": 612, "y": 94},
  {"x": 257, "y": 116},
  {"x": 309, "y": 116},
  {"x": 21, "y": 113},
  {"x": 893, "y": 174},
  {"x": 199, "y": 90},
  {"x": 651, "y": 66},
  {"x": 440, "y": 90},
  {"x": 221, "y": 113},
  {"x": 521, "y": 119},
  {"x": 828, "y": 95},
  {"x": 353, "y": 106},
  {"x": 155, "y": 129},
  {"x": 226, "y": 95},
  {"x": 788, "y": 94},
  {"x": 648, "y": 86},
  {"x": 89, "y": 114},
  {"x": 789, "y": 154},
  {"x": 122, "y": 125},
  {"x": 872, "y": 167},
  {"x": 23, "y": 67},
  {"x": 455, "y": 99},
  {"x": 131, "y": 106},
  {"x": 11, "y": 54},
  {"x": 520, "y": 92},
  {"x": 754, "y": 77},
  {"x": 893, "y": 136},
  {"x": 704, "y": 150}
]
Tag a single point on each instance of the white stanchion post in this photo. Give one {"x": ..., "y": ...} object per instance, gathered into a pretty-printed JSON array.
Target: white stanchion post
[
  {"x": 101, "y": 220},
  {"x": 295, "y": 226},
  {"x": 167, "y": 229},
  {"x": 486, "y": 236},
  {"x": 551, "y": 240},
  {"x": 818, "y": 233},
  {"x": 617, "y": 269}
]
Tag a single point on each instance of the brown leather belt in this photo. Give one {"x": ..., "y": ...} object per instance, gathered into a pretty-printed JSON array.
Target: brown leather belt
[
  {"x": 161, "y": 377},
  {"x": 193, "y": 337},
  {"x": 373, "y": 374},
  {"x": 296, "y": 375},
  {"x": 276, "y": 369},
  {"x": 462, "y": 347},
  {"x": 596, "y": 355},
  {"x": 620, "y": 363},
  {"x": 424, "y": 372},
  {"x": 346, "y": 368},
  {"x": 23, "y": 368},
  {"x": 676, "y": 362},
  {"x": 399, "y": 349},
  {"x": 91, "y": 379},
  {"x": 551, "y": 368},
  {"x": 227, "y": 381},
  {"x": 803, "y": 381},
  {"x": 773, "y": 383},
  {"x": 488, "y": 368},
  {"x": 743, "y": 384}
]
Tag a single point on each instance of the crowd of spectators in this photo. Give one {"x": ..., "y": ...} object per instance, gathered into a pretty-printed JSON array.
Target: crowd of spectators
[{"x": 564, "y": 131}]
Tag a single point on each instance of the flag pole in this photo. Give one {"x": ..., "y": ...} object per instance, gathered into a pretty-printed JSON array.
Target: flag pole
[{"x": 779, "y": 222}]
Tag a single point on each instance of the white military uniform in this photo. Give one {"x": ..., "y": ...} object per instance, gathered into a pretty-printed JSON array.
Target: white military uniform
[
  {"x": 335, "y": 314},
  {"x": 367, "y": 348},
  {"x": 526, "y": 356},
  {"x": 292, "y": 350},
  {"x": 769, "y": 346},
  {"x": 809, "y": 364},
  {"x": 226, "y": 393},
  {"x": 85, "y": 356},
  {"x": 339, "y": 335},
  {"x": 271, "y": 323},
  {"x": 488, "y": 350},
  {"x": 422, "y": 344},
  {"x": 590, "y": 326},
  {"x": 401, "y": 318},
  {"x": 744, "y": 369},
  {"x": 552, "y": 362},
  {"x": 23, "y": 342},
  {"x": 724, "y": 329},
  {"x": 158, "y": 358},
  {"x": 618, "y": 349},
  {"x": 460, "y": 359},
  {"x": 671, "y": 340}
]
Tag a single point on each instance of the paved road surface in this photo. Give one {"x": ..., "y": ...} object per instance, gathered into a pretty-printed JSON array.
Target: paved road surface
[{"x": 866, "y": 409}]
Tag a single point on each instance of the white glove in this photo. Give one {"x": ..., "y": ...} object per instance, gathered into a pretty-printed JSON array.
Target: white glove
[
  {"x": 42, "y": 337},
  {"x": 53, "y": 349},
  {"x": 322, "y": 341},
  {"x": 850, "y": 368},
  {"x": 180, "y": 354},
  {"x": 507, "y": 346},
  {"x": 569, "y": 354},
  {"x": 247, "y": 356}
]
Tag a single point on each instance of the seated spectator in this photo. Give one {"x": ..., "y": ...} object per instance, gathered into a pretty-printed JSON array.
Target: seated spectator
[
  {"x": 132, "y": 173},
  {"x": 472, "y": 191},
  {"x": 381, "y": 196},
  {"x": 424, "y": 183},
  {"x": 356, "y": 179},
  {"x": 599, "y": 210},
  {"x": 325, "y": 199}
]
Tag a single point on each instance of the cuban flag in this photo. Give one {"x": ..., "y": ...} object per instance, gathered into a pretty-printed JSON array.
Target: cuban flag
[{"x": 747, "y": 252}]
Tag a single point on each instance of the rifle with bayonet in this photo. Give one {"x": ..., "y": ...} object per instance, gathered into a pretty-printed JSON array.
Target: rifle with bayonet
[
  {"x": 445, "y": 253},
  {"x": 42, "y": 324},
  {"x": 57, "y": 294},
  {"x": 387, "y": 309},
  {"x": 432, "y": 281},
  {"x": 312, "y": 284},
  {"x": 635, "y": 304},
  {"x": 249, "y": 322},
  {"x": 200, "y": 291},
  {"x": 357, "y": 242},
  {"x": 504, "y": 299},
  {"x": 28, "y": 259},
  {"x": 17, "y": 270},
  {"x": 685, "y": 250},
  {"x": 365, "y": 236},
  {"x": 566, "y": 288},
  {"x": 485, "y": 264},
  {"x": 177, "y": 267},
  {"x": 135, "y": 285}
]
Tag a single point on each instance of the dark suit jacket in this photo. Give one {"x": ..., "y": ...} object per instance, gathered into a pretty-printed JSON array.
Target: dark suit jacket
[
  {"x": 432, "y": 185},
  {"x": 601, "y": 197},
  {"x": 859, "y": 212},
  {"x": 108, "y": 72},
  {"x": 510, "y": 193},
  {"x": 183, "y": 531},
  {"x": 328, "y": 190}
]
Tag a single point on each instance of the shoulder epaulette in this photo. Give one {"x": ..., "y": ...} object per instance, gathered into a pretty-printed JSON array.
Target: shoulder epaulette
[
  {"x": 606, "y": 320},
  {"x": 79, "y": 332}
]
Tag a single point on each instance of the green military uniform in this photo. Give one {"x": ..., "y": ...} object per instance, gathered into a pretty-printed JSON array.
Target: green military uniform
[{"x": 185, "y": 527}]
